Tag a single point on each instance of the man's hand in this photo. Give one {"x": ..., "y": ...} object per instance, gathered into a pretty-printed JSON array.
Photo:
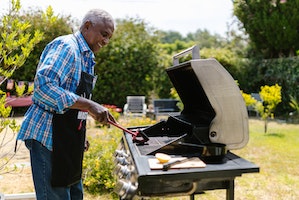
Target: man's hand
[{"x": 96, "y": 111}]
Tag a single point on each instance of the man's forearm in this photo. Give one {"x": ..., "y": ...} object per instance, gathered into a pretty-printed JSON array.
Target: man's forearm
[
  {"x": 82, "y": 104},
  {"x": 97, "y": 111}
]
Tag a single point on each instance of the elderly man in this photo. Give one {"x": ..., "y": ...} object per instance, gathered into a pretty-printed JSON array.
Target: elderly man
[{"x": 54, "y": 126}]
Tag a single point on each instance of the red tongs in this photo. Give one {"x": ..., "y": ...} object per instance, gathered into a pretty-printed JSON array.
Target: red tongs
[{"x": 134, "y": 134}]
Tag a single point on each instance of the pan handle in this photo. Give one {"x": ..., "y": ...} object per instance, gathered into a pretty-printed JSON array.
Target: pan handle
[
  {"x": 194, "y": 50},
  {"x": 192, "y": 145}
]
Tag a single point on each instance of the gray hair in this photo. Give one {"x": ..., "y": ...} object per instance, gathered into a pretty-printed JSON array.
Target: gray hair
[{"x": 95, "y": 16}]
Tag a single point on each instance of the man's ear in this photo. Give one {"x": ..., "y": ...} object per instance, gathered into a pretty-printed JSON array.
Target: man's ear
[{"x": 87, "y": 24}]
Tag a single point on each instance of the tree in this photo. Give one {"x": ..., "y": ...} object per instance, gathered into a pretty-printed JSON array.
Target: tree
[
  {"x": 15, "y": 46},
  {"x": 52, "y": 26},
  {"x": 15, "y": 42},
  {"x": 272, "y": 26},
  {"x": 202, "y": 37},
  {"x": 271, "y": 96},
  {"x": 170, "y": 36},
  {"x": 205, "y": 39},
  {"x": 125, "y": 67}
]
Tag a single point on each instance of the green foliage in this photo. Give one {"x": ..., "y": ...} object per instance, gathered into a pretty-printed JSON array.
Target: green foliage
[
  {"x": 294, "y": 115},
  {"x": 30, "y": 89},
  {"x": 283, "y": 71},
  {"x": 202, "y": 37},
  {"x": 170, "y": 36},
  {"x": 16, "y": 42},
  {"x": 272, "y": 26},
  {"x": 5, "y": 124},
  {"x": 20, "y": 89},
  {"x": 126, "y": 65},
  {"x": 4, "y": 111},
  {"x": 249, "y": 100},
  {"x": 162, "y": 83},
  {"x": 271, "y": 96},
  {"x": 140, "y": 121},
  {"x": 206, "y": 40},
  {"x": 98, "y": 162},
  {"x": 160, "y": 79},
  {"x": 294, "y": 103},
  {"x": 175, "y": 47},
  {"x": 52, "y": 26}
]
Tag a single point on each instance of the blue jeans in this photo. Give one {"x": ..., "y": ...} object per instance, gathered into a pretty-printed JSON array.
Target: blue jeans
[{"x": 41, "y": 162}]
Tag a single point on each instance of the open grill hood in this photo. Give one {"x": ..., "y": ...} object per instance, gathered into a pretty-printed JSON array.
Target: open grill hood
[{"x": 210, "y": 96}]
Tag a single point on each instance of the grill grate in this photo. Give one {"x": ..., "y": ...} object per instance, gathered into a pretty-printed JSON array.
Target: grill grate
[{"x": 155, "y": 143}]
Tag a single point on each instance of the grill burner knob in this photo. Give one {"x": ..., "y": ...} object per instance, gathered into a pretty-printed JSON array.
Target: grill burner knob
[
  {"x": 124, "y": 171},
  {"x": 121, "y": 160},
  {"x": 126, "y": 190},
  {"x": 121, "y": 153}
]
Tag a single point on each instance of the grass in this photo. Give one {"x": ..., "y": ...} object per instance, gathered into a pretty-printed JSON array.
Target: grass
[{"x": 277, "y": 155}]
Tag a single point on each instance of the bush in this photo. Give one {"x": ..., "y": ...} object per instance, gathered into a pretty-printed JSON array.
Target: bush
[
  {"x": 98, "y": 163},
  {"x": 282, "y": 71}
]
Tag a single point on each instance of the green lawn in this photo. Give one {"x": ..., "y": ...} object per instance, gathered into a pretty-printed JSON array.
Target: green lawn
[{"x": 277, "y": 155}]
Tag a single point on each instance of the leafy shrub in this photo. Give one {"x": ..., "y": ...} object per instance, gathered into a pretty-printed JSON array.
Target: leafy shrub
[
  {"x": 271, "y": 96},
  {"x": 98, "y": 163},
  {"x": 249, "y": 100},
  {"x": 294, "y": 115},
  {"x": 282, "y": 71}
]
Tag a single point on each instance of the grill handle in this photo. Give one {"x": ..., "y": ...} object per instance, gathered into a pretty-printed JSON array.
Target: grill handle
[{"x": 194, "y": 50}]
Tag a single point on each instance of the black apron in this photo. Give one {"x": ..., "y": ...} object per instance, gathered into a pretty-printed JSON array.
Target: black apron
[{"x": 69, "y": 132}]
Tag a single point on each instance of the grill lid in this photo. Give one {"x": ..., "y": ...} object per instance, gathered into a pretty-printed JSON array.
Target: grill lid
[{"x": 210, "y": 96}]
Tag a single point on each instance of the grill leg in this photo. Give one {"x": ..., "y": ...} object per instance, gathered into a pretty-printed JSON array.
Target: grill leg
[
  {"x": 230, "y": 191},
  {"x": 192, "y": 197}
]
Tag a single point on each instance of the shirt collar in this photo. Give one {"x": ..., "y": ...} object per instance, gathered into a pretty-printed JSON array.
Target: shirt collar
[{"x": 83, "y": 46}]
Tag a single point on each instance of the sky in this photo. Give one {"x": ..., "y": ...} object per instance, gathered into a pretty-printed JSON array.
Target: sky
[{"x": 184, "y": 16}]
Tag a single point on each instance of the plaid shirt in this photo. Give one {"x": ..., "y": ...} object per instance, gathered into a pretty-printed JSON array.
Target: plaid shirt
[{"x": 56, "y": 80}]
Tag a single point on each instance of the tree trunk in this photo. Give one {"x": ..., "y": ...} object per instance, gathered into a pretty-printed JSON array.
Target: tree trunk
[{"x": 266, "y": 125}]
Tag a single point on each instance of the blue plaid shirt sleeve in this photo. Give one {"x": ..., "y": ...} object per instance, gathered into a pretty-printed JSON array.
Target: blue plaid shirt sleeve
[{"x": 57, "y": 78}]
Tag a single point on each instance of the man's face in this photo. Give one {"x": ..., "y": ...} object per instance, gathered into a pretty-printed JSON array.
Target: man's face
[{"x": 97, "y": 35}]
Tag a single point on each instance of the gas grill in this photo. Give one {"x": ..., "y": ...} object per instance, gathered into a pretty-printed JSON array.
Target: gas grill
[{"x": 214, "y": 113}]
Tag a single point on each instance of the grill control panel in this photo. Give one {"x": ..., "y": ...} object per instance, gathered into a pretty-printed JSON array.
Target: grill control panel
[{"x": 125, "y": 173}]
